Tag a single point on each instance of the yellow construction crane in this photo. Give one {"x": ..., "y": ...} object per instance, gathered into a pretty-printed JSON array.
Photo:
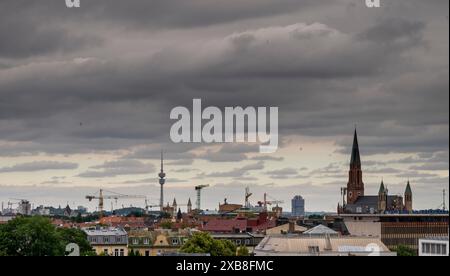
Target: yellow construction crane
[{"x": 115, "y": 196}]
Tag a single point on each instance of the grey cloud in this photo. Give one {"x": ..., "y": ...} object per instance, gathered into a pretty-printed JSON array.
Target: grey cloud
[
  {"x": 431, "y": 167},
  {"x": 39, "y": 166},
  {"x": 118, "y": 168},
  {"x": 239, "y": 172}
]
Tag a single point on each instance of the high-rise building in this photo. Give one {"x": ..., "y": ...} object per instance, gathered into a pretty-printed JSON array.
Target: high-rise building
[{"x": 298, "y": 206}]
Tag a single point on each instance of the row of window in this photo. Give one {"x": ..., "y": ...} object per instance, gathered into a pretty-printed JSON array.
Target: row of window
[
  {"x": 241, "y": 242},
  {"x": 117, "y": 252},
  {"x": 434, "y": 249},
  {"x": 108, "y": 240},
  {"x": 135, "y": 241},
  {"x": 146, "y": 241}
]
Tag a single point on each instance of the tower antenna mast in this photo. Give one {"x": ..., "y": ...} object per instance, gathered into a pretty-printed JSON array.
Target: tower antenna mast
[{"x": 443, "y": 200}]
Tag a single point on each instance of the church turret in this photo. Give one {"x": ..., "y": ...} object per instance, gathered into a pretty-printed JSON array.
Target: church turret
[
  {"x": 189, "y": 206},
  {"x": 382, "y": 198},
  {"x": 355, "y": 186},
  {"x": 174, "y": 206},
  {"x": 408, "y": 198}
]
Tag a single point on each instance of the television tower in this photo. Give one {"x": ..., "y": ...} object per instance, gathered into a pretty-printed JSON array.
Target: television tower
[{"x": 162, "y": 181}]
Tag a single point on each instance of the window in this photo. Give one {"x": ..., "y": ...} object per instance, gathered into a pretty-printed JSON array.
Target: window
[
  {"x": 118, "y": 239},
  {"x": 135, "y": 241},
  {"x": 313, "y": 249},
  {"x": 116, "y": 252},
  {"x": 105, "y": 239},
  {"x": 105, "y": 251},
  {"x": 175, "y": 241},
  {"x": 122, "y": 252},
  {"x": 247, "y": 241},
  {"x": 146, "y": 241},
  {"x": 238, "y": 242},
  {"x": 433, "y": 248},
  {"x": 444, "y": 250}
]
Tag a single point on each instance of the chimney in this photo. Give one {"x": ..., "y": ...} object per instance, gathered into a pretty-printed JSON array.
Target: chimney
[{"x": 291, "y": 227}]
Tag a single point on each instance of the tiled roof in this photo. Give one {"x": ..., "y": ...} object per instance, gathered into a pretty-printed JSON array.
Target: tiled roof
[{"x": 225, "y": 225}]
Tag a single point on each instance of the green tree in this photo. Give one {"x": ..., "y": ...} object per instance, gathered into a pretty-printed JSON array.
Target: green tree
[
  {"x": 204, "y": 243},
  {"x": 243, "y": 251},
  {"x": 405, "y": 251},
  {"x": 30, "y": 236},
  {"x": 166, "y": 225},
  {"x": 78, "y": 237}
]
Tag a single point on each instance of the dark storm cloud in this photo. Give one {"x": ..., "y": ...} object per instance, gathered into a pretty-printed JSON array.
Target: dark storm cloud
[
  {"x": 384, "y": 73},
  {"x": 39, "y": 166}
]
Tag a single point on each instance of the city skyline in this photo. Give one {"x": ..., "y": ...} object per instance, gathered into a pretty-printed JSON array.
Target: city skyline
[{"x": 86, "y": 103}]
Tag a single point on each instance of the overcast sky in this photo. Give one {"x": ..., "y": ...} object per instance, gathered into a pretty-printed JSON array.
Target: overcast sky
[{"x": 85, "y": 97}]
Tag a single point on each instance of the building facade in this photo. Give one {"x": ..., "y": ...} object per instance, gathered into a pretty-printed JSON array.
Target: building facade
[
  {"x": 298, "y": 206},
  {"x": 434, "y": 246},
  {"x": 108, "y": 241},
  {"x": 398, "y": 229}
]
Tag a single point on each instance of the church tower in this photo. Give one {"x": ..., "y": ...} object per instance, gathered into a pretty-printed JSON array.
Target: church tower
[
  {"x": 355, "y": 185},
  {"x": 408, "y": 198}
]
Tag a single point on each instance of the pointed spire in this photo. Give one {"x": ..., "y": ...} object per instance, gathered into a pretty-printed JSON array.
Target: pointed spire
[
  {"x": 356, "y": 159},
  {"x": 408, "y": 190},
  {"x": 174, "y": 202},
  {"x": 382, "y": 188},
  {"x": 189, "y": 202}
]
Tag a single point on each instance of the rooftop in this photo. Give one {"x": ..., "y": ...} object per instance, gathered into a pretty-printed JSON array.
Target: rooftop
[
  {"x": 305, "y": 245},
  {"x": 105, "y": 232},
  {"x": 320, "y": 230}
]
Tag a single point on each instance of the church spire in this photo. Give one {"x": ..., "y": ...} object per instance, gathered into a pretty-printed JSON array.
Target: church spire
[
  {"x": 355, "y": 186},
  {"x": 408, "y": 190},
  {"x": 382, "y": 188},
  {"x": 356, "y": 159}
]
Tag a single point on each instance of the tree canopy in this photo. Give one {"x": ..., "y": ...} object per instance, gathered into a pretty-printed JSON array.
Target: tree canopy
[
  {"x": 204, "y": 243},
  {"x": 36, "y": 236}
]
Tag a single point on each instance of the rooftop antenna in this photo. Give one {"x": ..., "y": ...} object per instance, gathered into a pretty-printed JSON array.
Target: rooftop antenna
[
  {"x": 162, "y": 181},
  {"x": 443, "y": 200}
]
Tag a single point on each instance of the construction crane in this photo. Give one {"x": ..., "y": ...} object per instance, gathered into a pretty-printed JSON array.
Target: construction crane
[
  {"x": 115, "y": 196},
  {"x": 199, "y": 189},
  {"x": 269, "y": 202},
  {"x": 247, "y": 196}
]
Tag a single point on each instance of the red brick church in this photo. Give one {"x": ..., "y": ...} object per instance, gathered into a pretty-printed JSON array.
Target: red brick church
[{"x": 357, "y": 202}]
